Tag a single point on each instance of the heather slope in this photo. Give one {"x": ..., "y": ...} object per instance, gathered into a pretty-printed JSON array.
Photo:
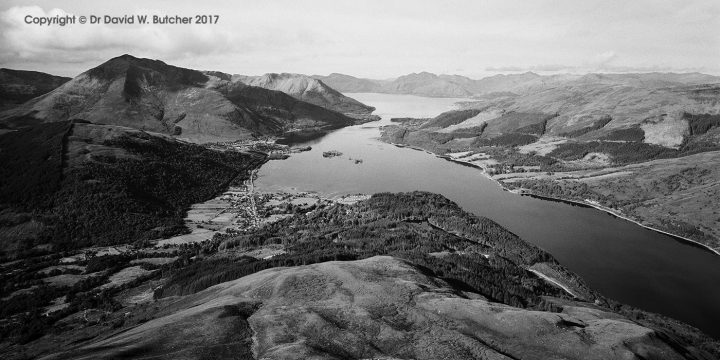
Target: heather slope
[
  {"x": 18, "y": 86},
  {"x": 375, "y": 308}
]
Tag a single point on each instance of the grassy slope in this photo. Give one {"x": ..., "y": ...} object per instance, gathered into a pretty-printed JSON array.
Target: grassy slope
[{"x": 380, "y": 307}]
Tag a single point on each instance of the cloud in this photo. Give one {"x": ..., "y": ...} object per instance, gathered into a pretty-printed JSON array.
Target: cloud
[
  {"x": 505, "y": 69},
  {"x": 552, "y": 68},
  {"x": 376, "y": 38},
  {"x": 649, "y": 68},
  {"x": 605, "y": 59},
  {"x": 537, "y": 68},
  {"x": 22, "y": 42}
]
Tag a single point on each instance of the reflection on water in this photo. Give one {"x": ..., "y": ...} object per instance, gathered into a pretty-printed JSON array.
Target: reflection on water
[{"x": 620, "y": 259}]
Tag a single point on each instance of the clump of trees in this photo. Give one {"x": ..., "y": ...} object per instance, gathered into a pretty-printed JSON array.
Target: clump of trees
[
  {"x": 452, "y": 117},
  {"x": 510, "y": 140},
  {"x": 635, "y": 134},
  {"x": 596, "y": 125},
  {"x": 621, "y": 152},
  {"x": 32, "y": 163},
  {"x": 701, "y": 123}
]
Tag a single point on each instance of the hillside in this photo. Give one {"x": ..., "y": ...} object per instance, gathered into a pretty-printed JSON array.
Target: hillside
[
  {"x": 425, "y": 84},
  {"x": 418, "y": 278},
  {"x": 69, "y": 185},
  {"x": 310, "y": 90},
  {"x": 352, "y": 310},
  {"x": 18, "y": 86},
  {"x": 351, "y": 84},
  {"x": 547, "y": 141},
  {"x": 151, "y": 95}
]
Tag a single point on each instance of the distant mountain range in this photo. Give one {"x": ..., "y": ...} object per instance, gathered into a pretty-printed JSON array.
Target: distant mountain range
[
  {"x": 428, "y": 84},
  {"x": 212, "y": 106},
  {"x": 196, "y": 106}
]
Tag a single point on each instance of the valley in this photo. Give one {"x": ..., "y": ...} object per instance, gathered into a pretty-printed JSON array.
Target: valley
[
  {"x": 276, "y": 233},
  {"x": 390, "y": 180},
  {"x": 602, "y": 249}
]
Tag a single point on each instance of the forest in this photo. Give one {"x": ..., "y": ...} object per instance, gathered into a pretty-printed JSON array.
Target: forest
[
  {"x": 621, "y": 152},
  {"x": 508, "y": 140},
  {"x": 449, "y": 118},
  {"x": 426, "y": 229},
  {"x": 701, "y": 123},
  {"x": 108, "y": 200},
  {"x": 597, "y": 124}
]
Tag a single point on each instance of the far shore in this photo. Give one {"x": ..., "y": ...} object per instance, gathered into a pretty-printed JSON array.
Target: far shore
[
  {"x": 624, "y": 217},
  {"x": 568, "y": 201}
]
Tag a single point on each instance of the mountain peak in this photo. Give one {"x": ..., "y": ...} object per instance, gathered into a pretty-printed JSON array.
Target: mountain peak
[
  {"x": 306, "y": 88},
  {"x": 134, "y": 68},
  {"x": 420, "y": 75}
]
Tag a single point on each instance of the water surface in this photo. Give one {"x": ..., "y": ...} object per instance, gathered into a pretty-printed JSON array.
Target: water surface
[{"x": 622, "y": 260}]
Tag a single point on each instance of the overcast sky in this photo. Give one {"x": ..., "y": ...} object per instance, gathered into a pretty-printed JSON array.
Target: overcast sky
[{"x": 376, "y": 39}]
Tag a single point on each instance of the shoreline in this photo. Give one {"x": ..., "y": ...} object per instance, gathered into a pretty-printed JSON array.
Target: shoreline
[
  {"x": 676, "y": 237},
  {"x": 554, "y": 282},
  {"x": 626, "y": 218},
  {"x": 482, "y": 170}
]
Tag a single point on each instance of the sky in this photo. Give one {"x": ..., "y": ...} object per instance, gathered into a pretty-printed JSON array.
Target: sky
[{"x": 375, "y": 38}]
